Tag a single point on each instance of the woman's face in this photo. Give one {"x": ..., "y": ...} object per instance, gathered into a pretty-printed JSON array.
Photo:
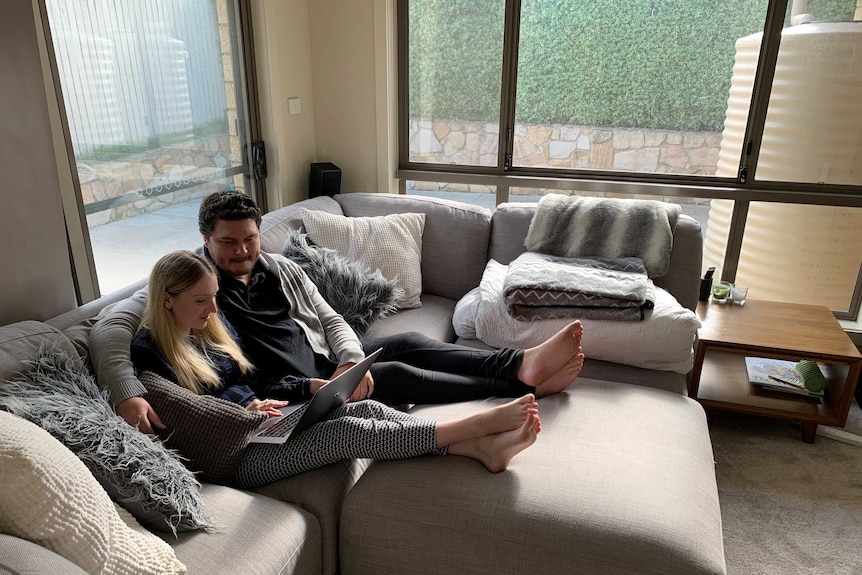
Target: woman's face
[{"x": 192, "y": 308}]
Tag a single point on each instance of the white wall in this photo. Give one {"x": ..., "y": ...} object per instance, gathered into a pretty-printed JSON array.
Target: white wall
[
  {"x": 37, "y": 277},
  {"x": 283, "y": 62},
  {"x": 337, "y": 56}
]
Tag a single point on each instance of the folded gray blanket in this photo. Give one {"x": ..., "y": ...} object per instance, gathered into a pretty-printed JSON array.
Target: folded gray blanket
[
  {"x": 541, "y": 286},
  {"x": 575, "y": 226}
]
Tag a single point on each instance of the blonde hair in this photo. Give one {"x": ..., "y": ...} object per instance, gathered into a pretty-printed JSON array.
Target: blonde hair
[{"x": 188, "y": 354}]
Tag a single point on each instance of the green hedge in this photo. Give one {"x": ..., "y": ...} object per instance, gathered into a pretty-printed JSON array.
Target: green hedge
[{"x": 661, "y": 64}]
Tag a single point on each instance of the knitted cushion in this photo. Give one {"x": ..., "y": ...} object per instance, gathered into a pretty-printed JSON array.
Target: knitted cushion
[
  {"x": 210, "y": 432},
  {"x": 59, "y": 395},
  {"x": 48, "y": 496},
  {"x": 391, "y": 244}
]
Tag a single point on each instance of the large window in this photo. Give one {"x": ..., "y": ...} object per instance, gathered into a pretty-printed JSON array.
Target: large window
[
  {"x": 154, "y": 94},
  {"x": 755, "y": 104}
]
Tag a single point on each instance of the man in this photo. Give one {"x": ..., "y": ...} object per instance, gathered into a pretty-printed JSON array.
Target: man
[{"x": 298, "y": 342}]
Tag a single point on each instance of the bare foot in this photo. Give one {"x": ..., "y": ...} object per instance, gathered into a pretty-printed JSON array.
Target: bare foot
[
  {"x": 546, "y": 359},
  {"x": 563, "y": 378},
  {"x": 506, "y": 417},
  {"x": 496, "y": 451}
]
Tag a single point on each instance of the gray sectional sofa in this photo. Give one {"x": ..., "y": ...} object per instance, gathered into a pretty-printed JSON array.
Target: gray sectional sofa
[{"x": 621, "y": 479}]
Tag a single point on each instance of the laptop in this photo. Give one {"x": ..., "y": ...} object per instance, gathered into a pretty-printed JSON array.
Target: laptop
[{"x": 297, "y": 418}]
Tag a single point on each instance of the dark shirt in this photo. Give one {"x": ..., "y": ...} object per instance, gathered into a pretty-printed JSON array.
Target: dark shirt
[
  {"x": 147, "y": 357},
  {"x": 270, "y": 338}
]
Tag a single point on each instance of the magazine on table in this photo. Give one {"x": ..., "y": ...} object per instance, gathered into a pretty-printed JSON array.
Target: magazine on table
[{"x": 777, "y": 375}]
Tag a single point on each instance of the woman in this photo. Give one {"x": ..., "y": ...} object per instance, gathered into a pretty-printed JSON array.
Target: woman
[{"x": 184, "y": 339}]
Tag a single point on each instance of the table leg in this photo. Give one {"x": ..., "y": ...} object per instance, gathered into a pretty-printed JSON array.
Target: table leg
[{"x": 809, "y": 431}]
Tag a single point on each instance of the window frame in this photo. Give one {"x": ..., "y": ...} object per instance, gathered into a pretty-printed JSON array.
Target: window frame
[
  {"x": 81, "y": 255},
  {"x": 743, "y": 189}
]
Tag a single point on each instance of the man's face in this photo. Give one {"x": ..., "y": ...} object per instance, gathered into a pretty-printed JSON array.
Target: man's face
[{"x": 234, "y": 246}]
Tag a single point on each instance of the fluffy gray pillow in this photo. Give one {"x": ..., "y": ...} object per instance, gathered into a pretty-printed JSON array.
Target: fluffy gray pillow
[
  {"x": 360, "y": 297},
  {"x": 145, "y": 477},
  {"x": 209, "y": 432}
]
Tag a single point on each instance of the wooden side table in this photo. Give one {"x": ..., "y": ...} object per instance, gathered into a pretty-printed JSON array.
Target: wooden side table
[{"x": 780, "y": 331}]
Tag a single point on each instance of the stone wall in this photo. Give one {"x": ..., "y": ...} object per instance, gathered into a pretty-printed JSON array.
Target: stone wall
[
  {"x": 151, "y": 175},
  {"x": 563, "y": 147}
]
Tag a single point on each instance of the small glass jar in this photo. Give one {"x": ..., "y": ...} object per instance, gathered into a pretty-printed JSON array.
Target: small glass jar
[{"x": 721, "y": 292}]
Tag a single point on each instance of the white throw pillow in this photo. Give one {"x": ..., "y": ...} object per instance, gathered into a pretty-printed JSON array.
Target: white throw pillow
[
  {"x": 390, "y": 243},
  {"x": 48, "y": 496},
  {"x": 464, "y": 318},
  {"x": 662, "y": 341}
]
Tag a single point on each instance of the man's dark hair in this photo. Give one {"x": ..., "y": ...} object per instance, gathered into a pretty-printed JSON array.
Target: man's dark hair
[{"x": 226, "y": 205}]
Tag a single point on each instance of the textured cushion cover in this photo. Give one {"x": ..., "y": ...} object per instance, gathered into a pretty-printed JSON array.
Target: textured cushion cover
[
  {"x": 49, "y": 497},
  {"x": 142, "y": 475},
  {"x": 361, "y": 298},
  {"x": 663, "y": 341},
  {"x": 391, "y": 244},
  {"x": 210, "y": 432}
]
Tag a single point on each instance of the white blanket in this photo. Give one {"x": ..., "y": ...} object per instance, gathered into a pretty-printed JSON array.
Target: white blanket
[{"x": 663, "y": 341}]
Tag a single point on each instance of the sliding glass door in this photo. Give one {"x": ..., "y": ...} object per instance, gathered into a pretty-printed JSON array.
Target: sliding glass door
[{"x": 155, "y": 100}]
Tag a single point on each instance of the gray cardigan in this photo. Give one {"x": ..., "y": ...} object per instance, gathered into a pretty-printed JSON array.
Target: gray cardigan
[{"x": 326, "y": 331}]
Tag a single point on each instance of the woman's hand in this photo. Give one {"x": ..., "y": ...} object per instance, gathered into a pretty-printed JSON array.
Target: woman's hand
[{"x": 267, "y": 406}]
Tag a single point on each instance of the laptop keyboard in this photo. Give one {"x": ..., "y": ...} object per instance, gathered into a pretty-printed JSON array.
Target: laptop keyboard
[{"x": 285, "y": 424}]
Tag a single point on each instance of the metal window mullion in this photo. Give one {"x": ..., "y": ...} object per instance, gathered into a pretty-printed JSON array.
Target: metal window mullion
[
  {"x": 735, "y": 235},
  {"x": 245, "y": 80},
  {"x": 508, "y": 90},
  {"x": 403, "y": 98},
  {"x": 762, "y": 89}
]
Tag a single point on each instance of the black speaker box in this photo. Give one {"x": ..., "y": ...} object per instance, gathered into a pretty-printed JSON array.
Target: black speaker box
[{"x": 325, "y": 179}]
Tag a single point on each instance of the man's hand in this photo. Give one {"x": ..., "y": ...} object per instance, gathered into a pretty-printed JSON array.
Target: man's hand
[
  {"x": 137, "y": 411},
  {"x": 365, "y": 387},
  {"x": 314, "y": 384}
]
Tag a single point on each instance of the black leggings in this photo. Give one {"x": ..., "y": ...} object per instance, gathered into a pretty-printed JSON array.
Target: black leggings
[{"x": 414, "y": 368}]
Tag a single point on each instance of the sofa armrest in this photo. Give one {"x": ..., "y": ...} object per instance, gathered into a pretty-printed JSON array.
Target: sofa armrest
[
  {"x": 277, "y": 224},
  {"x": 23, "y": 557}
]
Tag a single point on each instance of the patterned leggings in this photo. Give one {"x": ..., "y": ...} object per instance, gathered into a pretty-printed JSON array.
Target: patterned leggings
[{"x": 365, "y": 429}]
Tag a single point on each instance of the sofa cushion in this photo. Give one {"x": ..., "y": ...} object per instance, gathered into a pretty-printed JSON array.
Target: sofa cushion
[
  {"x": 254, "y": 535},
  {"x": 209, "y": 432},
  {"x": 59, "y": 395},
  {"x": 433, "y": 319},
  {"x": 321, "y": 492},
  {"x": 358, "y": 296},
  {"x": 609, "y": 487},
  {"x": 450, "y": 228},
  {"x": 48, "y": 496},
  {"x": 390, "y": 243}
]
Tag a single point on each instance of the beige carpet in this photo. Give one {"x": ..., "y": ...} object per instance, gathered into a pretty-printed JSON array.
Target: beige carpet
[{"x": 788, "y": 507}]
